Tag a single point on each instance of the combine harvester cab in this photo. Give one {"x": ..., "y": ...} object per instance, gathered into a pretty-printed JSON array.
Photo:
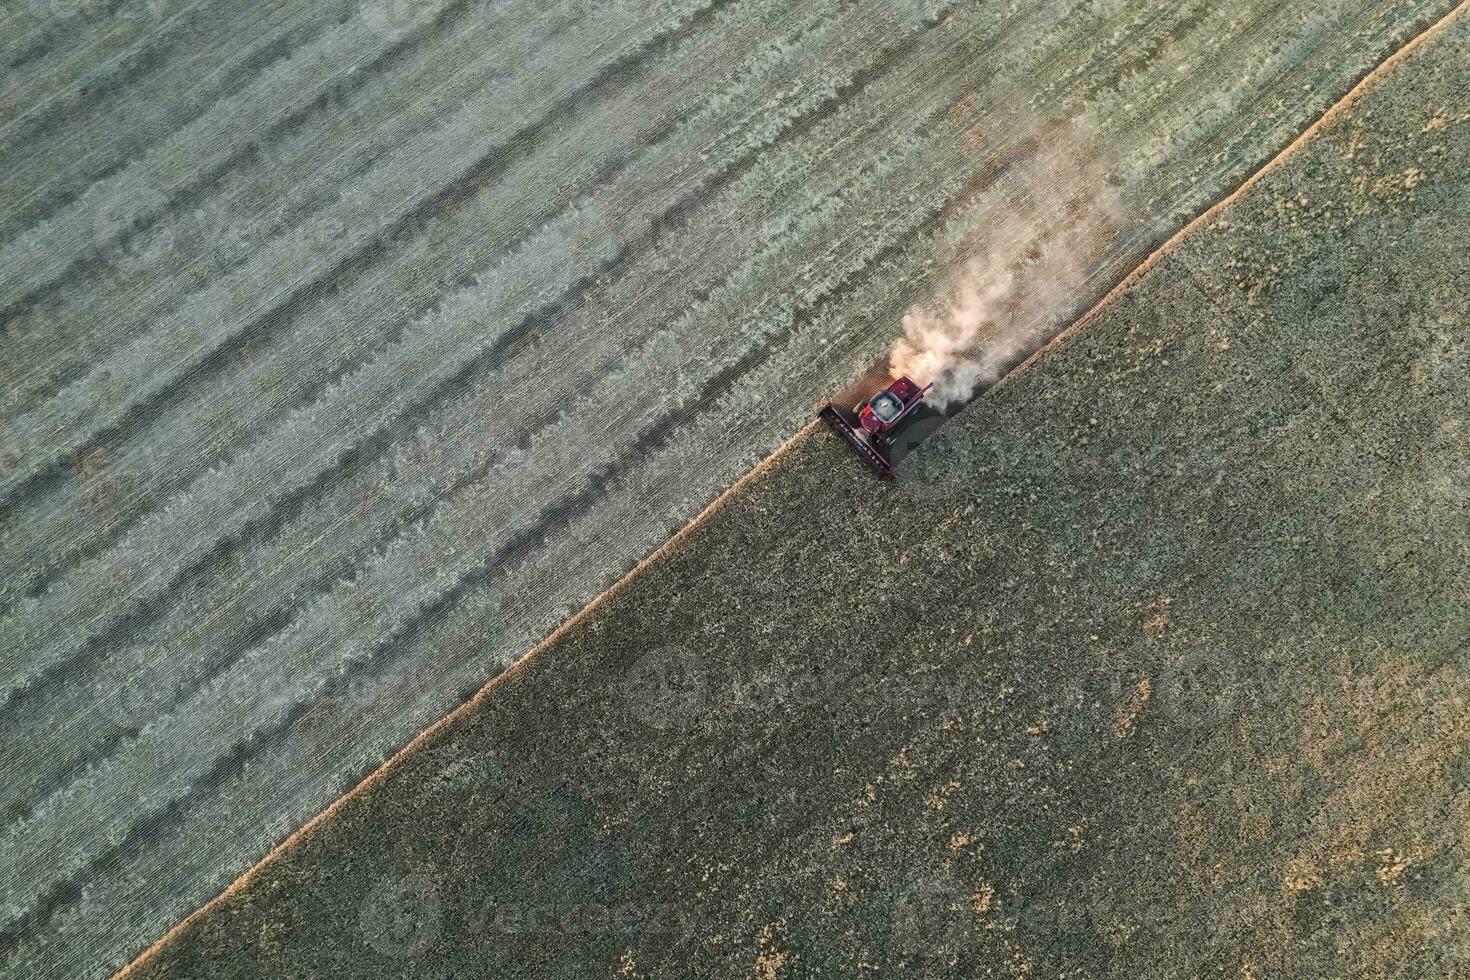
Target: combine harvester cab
[{"x": 883, "y": 419}]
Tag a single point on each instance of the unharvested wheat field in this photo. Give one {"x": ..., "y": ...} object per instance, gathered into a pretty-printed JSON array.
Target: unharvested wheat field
[
  {"x": 1160, "y": 670},
  {"x": 348, "y": 349}
]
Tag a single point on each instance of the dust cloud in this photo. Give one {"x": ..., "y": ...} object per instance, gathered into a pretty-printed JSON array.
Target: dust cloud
[{"x": 1020, "y": 281}]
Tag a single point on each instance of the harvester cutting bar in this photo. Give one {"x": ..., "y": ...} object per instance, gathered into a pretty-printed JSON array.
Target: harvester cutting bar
[{"x": 865, "y": 449}]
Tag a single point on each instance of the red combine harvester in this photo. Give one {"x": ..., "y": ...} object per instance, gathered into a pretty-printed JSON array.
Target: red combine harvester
[
  {"x": 880, "y": 415},
  {"x": 878, "y": 419}
]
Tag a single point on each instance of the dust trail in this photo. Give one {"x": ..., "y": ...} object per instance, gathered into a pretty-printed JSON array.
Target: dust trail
[{"x": 1022, "y": 278}]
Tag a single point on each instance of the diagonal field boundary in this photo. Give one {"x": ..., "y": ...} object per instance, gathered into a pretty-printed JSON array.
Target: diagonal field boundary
[{"x": 767, "y": 465}]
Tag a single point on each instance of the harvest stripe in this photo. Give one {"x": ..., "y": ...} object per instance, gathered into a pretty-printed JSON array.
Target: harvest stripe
[
  {"x": 493, "y": 358},
  {"x": 89, "y": 433},
  {"x": 738, "y": 167},
  {"x": 498, "y": 323}
]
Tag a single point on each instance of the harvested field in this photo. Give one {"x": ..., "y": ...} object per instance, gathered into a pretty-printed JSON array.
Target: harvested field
[
  {"x": 345, "y": 354},
  {"x": 1167, "y": 677}
]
